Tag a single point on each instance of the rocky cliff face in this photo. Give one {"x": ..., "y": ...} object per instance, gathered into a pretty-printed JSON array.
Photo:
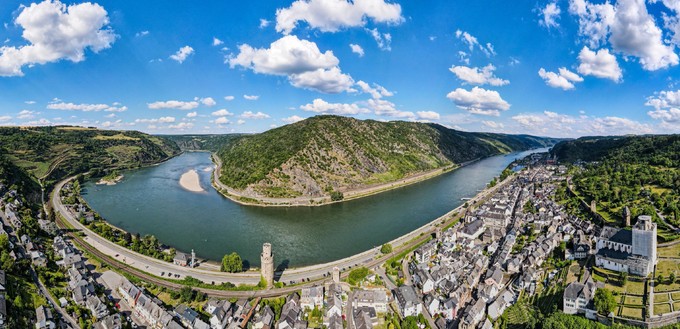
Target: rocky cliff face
[{"x": 328, "y": 153}]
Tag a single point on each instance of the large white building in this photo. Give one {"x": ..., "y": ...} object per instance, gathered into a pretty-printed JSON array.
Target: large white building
[{"x": 632, "y": 251}]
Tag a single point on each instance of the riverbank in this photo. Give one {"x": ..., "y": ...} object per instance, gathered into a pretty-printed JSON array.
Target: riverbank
[
  {"x": 239, "y": 198},
  {"x": 110, "y": 180},
  {"x": 190, "y": 181}
]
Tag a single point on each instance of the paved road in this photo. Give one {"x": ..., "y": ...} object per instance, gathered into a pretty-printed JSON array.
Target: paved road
[{"x": 151, "y": 269}]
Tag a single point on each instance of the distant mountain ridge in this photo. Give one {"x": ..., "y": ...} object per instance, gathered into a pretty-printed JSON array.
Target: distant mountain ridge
[
  {"x": 651, "y": 149},
  {"x": 323, "y": 154}
]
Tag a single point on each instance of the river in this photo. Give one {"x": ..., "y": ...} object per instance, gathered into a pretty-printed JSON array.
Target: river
[{"x": 151, "y": 201}]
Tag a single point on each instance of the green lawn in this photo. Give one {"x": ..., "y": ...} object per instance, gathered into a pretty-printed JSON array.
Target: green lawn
[
  {"x": 660, "y": 298},
  {"x": 662, "y": 308},
  {"x": 634, "y": 301},
  {"x": 635, "y": 313}
]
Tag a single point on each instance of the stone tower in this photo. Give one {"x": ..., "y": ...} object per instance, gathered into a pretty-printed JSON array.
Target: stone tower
[
  {"x": 644, "y": 239},
  {"x": 626, "y": 216},
  {"x": 336, "y": 275},
  {"x": 267, "y": 264}
]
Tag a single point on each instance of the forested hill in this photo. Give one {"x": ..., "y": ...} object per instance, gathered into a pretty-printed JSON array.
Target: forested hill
[
  {"x": 322, "y": 154},
  {"x": 53, "y": 153},
  {"x": 663, "y": 150},
  {"x": 212, "y": 143}
]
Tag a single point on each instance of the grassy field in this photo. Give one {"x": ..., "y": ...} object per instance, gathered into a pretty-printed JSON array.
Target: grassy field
[
  {"x": 661, "y": 298},
  {"x": 670, "y": 251},
  {"x": 633, "y": 301},
  {"x": 115, "y": 137},
  {"x": 662, "y": 308}
]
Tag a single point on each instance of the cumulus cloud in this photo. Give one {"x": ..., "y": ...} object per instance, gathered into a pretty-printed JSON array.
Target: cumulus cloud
[
  {"x": 251, "y": 97},
  {"x": 288, "y": 55},
  {"x": 321, "y": 106},
  {"x": 251, "y": 115},
  {"x": 222, "y": 113},
  {"x": 217, "y": 42},
  {"x": 479, "y": 101},
  {"x": 229, "y": 98},
  {"x": 54, "y": 32},
  {"x": 333, "y": 15},
  {"x": 428, "y": 115},
  {"x": 328, "y": 81},
  {"x": 240, "y": 122},
  {"x": 182, "y": 54},
  {"x": 177, "y": 105},
  {"x": 208, "y": 101},
  {"x": 26, "y": 114},
  {"x": 182, "y": 126},
  {"x": 628, "y": 27},
  {"x": 600, "y": 64},
  {"x": 141, "y": 34},
  {"x": 264, "y": 23},
  {"x": 158, "y": 120},
  {"x": 86, "y": 107},
  {"x": 192, "y": 114},
  {"x": 549, "y": 15},
  {"x": 357, "y": 49},
  {"x": 666, "y": 106},
  {"x": 222, "y": 121},
  {"x": 555, "y": 124},
  {"x": 564, "y": 79},
  {"x": 477, "y": 76},
  {"x": 292, "y": 119},
  {"x": 5, "y": 118},
  {"x": 376, "y": 91},
  {"x": 493, "y": 124},
  {"x": 386, "y": 108}
]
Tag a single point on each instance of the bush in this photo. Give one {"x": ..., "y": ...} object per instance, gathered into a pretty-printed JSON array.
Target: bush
[
  {"x": 386, "y": 248},
  {"x": 337, "y": 196}
]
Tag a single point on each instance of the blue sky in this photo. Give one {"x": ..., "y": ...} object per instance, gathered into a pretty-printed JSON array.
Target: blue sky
[{"x": 555, "y": 68}]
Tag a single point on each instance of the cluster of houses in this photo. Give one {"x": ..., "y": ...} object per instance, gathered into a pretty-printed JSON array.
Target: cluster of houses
[{"x": 471, "y": 273}]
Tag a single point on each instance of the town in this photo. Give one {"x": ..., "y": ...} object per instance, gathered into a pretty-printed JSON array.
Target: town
[{"x": 517, "y": 246}]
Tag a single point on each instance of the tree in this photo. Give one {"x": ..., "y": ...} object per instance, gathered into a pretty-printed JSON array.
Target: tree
[
  {"x": 386, "y": 248},
  {"x": 672, "y": 277},
  {"x": 337, "y": 196},
  {"x": 623, "y": 277},
  {"x": 232, "y": 263},
  {"x": 604, "y": 301},
  {"x": 659, "y": 279}
]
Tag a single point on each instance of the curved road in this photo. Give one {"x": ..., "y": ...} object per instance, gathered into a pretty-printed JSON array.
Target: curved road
[{"x": 151, "y": 269}]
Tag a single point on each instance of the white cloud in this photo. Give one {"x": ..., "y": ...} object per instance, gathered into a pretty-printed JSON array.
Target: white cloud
[
  {"x": 357, "y": 49},
  {"x": 178, "y": 105},
  {"x": 601, "y": 64},
  {"x": 321, "y": 106},
  {"x": 159, "y": 120},
  {"x": 477, "y": 76},
  {"x": 288, "y": 55},
  {"x": 141, "y": 34},
  {"x": 110, "y": 115},
  {"x": 5, "y": 118},
  {"x": 30, "y": 102},
  {"x": 333, "y": 15},
  {"x": 564, "y": 79},
  {"x": 493, "y": 124},
  {"x": 479, "y": 101},
  {"x": 384, "y": 40},
  {"x": 26, "y": 114},
  {"x": 251, "y": 115},
  {"x": 240, "y": 122},
  {"x": 86, "y": 107},
  {"x": 182, "y": 126},
  {"x": 292, "y": 119},
  {"x": 217, "y": 42},
  {"x": 377, "y": 91},
  {"x": 550, "y": 13},
  {"x": 328, "y": 81},
  {"x": 629, "y": 28},
  {"x": 182, "y": 54},
  {"x": 54, "y": 32},
  {"x": 251, "y": 97},
  {"x": 428, "y": 115},
  {"x": 192, "y": 114},
  {"x": 229, "y": 98},
  {"x": 472, "y": 43},
  {"x": 222, "y": 113},
  {"x": 222, "y": 120},
  {"x": 386, "y": 108},
  {"x": 666, "y": 108},
  {"x": 555, "y": 124},
  {"x": 264, "y": 23},
  {"x": 208, "y": 101}
]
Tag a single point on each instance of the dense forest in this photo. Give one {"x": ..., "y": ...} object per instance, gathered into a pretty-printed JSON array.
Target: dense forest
[
  {"x": 212, "y": 143},
  {"x": 640, "y": 172},
  {"x": 49, "y": 154},
  {"x": 323, "y": 154}
]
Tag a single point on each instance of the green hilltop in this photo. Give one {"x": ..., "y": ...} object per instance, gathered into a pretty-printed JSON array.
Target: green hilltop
[{"x": 322, "y": 154}]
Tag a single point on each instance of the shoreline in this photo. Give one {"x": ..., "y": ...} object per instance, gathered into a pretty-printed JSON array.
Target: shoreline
[
  {"x": 110, "y": 182},
  {"x": 235, "y": 196}
]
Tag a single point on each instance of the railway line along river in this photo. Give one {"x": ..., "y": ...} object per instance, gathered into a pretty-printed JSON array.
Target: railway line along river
[{"x": 151, "y": 201}]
